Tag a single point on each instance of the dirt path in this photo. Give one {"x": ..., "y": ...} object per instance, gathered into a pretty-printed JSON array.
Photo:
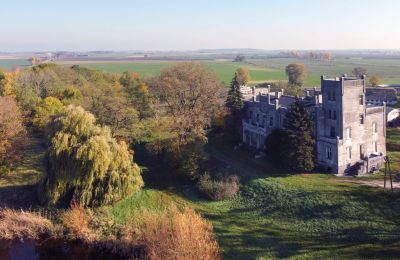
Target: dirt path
[{"x": 375, "y": 183}]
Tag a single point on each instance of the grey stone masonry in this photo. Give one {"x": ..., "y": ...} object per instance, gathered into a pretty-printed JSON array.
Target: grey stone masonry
[{"x": 350, "y": 134}]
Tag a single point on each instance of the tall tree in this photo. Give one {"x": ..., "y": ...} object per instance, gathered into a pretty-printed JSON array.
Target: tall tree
[
  {"x": 242, "y": 76},
  {"x": 86, "y": 164},
  {"x": 190, "y": 93},
  {"x": 296, "y": 73},
  {"x": 359, "y": 71},
  {"x": 44, "y": 111},
  {"x": 299, "y": 144},
  {"x": 374, "y": 80},
  {"x": 12, "y": 130},
  {"x": 234, "y": 103}
]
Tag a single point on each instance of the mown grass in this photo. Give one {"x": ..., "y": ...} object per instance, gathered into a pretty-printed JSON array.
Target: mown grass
[{"x": 280, "y": 215}]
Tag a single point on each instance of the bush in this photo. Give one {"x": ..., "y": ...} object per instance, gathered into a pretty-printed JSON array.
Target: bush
[
  {"x": 222, "y": 188},
  {"x": 19, "y": 224},
  {"x": 175, "y": 234},
  {"x": 77, "y": 220}
]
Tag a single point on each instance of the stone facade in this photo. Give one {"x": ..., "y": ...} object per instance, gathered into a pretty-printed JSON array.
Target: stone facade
[{"x": 350, "y": 135}]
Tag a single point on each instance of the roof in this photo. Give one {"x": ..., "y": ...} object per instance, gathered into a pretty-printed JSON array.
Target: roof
[{"x": 382, "y": 94}]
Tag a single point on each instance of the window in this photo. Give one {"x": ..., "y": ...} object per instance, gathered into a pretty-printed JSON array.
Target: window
[
  {"x": 329, "y": 153},
  {"x": 257, "y": 118},
  {"x": 334, "y": 96},
  {"x": 374, "y": 128},
  {"x": 361, "y": 99},
  {"x": 329, "y": 95},
  {"x": 330, "y": 114},
  {"x": 348, "y": 152},
  {"x": 348, "y": 132},
  {"x": 361, "y": 119},
  {"x": 334, "y": 114},
  {"x": 333, "y": 132},
  {"x": 375, "y": 146},
  {"x": 361, "y": 152},
  {"x": 271, "y": 121}
]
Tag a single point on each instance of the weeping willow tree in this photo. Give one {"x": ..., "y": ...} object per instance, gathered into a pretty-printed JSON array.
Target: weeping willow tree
[{"x": 86, "y": 164}]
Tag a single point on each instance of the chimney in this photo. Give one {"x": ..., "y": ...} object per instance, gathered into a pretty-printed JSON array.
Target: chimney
[
  {"x": 276, "y": 103},
  {"x": 278, "y": 94},
  {"x": 269, "y": 98},
  {"x": 282, "y": 91},
  {"x": 307, "y": 93},
  {"x": 269, "y": 88}
]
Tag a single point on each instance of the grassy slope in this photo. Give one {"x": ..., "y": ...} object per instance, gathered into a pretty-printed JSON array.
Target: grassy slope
[
  {"x": 275, "y": 215},
  {"x": 281, "y": 216}
]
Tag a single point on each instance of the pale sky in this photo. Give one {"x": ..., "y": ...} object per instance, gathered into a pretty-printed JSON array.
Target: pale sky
[{"x": 81, "y": 25}]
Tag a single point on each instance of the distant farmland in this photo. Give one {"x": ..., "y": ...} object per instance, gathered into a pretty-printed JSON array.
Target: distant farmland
[
  {"x": 225, "y": 70},
  {"x": 261, "y": 70}
]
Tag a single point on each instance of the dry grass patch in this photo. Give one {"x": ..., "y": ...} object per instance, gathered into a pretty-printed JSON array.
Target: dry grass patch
[
  {"x": 23, "y": 224},
  {"x": 175, "y": 234},
  {"x": 77, "y": 220}
]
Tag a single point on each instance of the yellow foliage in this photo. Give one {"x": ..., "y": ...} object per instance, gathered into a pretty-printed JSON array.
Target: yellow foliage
[{"x": 7, "y": 84}]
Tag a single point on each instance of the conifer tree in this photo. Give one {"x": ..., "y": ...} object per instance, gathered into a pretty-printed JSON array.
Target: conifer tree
[
  {"x": 86, "y": 164},
  {"x": 234, "y": 103},
  {"x": 299, "y": 144}
]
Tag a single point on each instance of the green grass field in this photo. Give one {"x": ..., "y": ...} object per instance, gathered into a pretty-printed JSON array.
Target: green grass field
[
  {"x": 263, "y": 70},
  {"x": 225, "y": 70},
  {"x": 269, "y": 70}
]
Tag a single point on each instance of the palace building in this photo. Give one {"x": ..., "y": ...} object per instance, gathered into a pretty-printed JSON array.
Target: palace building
[{"x": 350, "y": 135}]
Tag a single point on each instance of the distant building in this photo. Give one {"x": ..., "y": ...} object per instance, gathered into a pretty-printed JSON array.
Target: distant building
[{"x": 350, "y": 134}]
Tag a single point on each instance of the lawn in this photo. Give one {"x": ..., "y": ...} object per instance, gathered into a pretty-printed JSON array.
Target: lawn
[
  {"x": 275, "y": 214},
  {"x": 278, "y": 215}
]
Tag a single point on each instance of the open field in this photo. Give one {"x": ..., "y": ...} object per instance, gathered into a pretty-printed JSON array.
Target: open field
[
  {"x": 275, "y": 215},
  {"x": 224, "y": 69},
  {"x": 388, "y": 69},
  {"x": 269, "y": 69},
  {"x": 261, "y": 70}
]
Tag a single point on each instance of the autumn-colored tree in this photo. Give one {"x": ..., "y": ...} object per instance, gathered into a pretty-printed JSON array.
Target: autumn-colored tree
[
  {"x": 33, "y": 60},
  {"x": 86, "y": 164},
  {"x": 242, "y": 76},
  {"x": 71, "y": 94},
  {"x": 137, "y": 93},
  {"x": 296, "y": 73},
  {"x": 190, "y": 93},
  {"x": 12, "y": 130},
  {"x": 374, "y": 80},
  {"x": 327, "y": 56},
  {"x": 45, "y": 110},
  {"x": 7, "y": 80}
]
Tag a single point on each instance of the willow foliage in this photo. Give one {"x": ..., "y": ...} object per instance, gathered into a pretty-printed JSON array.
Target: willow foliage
[{"x": 86, "y": 164}]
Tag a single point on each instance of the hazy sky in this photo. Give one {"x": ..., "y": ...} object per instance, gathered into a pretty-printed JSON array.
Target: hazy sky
[{"x": 38, "y": 25}]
